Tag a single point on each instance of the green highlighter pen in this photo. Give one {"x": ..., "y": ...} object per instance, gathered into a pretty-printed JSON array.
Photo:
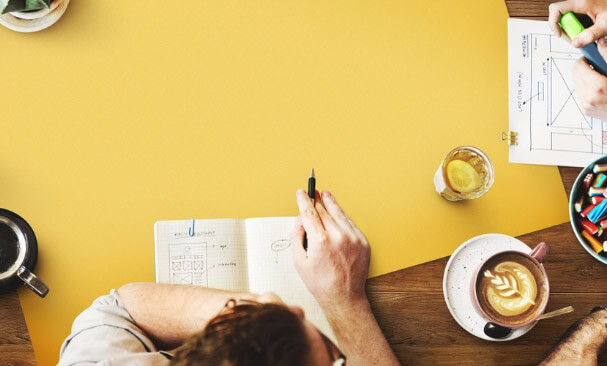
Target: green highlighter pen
[{"x": 572, "y": 26}]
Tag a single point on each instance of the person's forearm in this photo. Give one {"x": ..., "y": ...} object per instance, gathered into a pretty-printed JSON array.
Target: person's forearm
[
  {"x": 359, "y": 335},
  {"x": 170, "y": 314},
  {"x": 582, "y": 342}
]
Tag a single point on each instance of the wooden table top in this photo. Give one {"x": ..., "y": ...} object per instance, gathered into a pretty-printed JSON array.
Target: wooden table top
[
  {"x": 409, "y": 303},
  {"x": 412, "y": 312},
  {"x": 15, "y": 345}
]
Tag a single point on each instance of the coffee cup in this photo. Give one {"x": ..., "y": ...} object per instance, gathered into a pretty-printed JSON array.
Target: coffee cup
[
  {"x": 511, "y": 288},
  {"x": 18, "y": 254}
]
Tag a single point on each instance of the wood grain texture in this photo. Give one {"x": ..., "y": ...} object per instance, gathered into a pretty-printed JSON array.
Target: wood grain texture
[
  {"x": 412, "y": 312},
  {"x": 528, "y": 8},
  {"x": 569, "y": 175},
  {"x": 15, "y": 344},
  {"x": 411, "y": 309},
  {"x": 409, "y": 303}
]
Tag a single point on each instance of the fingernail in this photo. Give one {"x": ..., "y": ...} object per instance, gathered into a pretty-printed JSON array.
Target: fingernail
[
  {"x": 326, "y": 194},
  {"x": 300, "y": 191},
  {"x": 576, "y": 43}
]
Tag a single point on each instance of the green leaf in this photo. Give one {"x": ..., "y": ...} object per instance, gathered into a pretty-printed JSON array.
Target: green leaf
[
  {"x": 7, "y": 6},
  {"x": 35, "y": 4}
]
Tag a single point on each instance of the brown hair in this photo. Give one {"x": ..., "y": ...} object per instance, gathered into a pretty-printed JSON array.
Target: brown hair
[{"x": 247, "y": 335}]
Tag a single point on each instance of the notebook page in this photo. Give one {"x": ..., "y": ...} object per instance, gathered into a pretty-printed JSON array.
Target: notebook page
[
  {"x": 271, "y": 267},
  {"x": 214, "y": 257}
]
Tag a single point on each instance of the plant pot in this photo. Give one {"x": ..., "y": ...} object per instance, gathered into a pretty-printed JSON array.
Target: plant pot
[
  {"x": 34, "y": 21},
  {"x": 37, "y": 14}
]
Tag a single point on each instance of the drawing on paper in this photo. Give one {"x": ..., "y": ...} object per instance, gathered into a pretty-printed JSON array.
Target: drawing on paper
[
  {"x": 556, "y": 102},
  {"x": 545, "y": 110},
  {"x": 187, "y": 263},
  {"x": 278, "y": 246}
]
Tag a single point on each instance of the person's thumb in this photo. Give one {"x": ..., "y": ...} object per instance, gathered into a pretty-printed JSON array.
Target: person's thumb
[{"x": 590, "y": 35}]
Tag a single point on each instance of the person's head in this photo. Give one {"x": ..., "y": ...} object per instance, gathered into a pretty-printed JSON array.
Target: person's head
[{"x": 249, "y": 333}]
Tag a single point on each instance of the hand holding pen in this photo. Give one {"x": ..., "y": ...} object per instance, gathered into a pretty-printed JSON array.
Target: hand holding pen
[{"x": 336, "y": 263}]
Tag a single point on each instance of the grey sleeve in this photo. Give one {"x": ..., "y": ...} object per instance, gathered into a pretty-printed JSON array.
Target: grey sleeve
[{"x": 103, "y": 331}]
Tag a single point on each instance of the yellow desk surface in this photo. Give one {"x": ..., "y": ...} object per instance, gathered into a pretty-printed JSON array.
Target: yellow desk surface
[{"x": 125, "y": 113}]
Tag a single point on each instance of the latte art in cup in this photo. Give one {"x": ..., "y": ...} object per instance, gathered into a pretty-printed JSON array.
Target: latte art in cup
[{"x": 511, "y": 288}]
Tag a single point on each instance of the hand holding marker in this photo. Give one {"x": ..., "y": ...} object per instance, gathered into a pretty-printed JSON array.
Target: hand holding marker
[{"x": 572, "y": 26}]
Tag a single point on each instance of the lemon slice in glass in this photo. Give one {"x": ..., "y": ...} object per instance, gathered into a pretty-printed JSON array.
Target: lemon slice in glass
[{"x": 462, "y": 176}]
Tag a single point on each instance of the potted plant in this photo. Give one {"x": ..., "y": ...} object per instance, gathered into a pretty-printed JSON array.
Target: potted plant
[
  {"x": 9, "y": 6},
  {"x": 31, "y": 15}
]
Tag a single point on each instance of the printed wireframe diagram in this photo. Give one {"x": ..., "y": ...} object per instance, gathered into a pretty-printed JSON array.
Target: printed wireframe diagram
[{"x": 557, "y": 122}]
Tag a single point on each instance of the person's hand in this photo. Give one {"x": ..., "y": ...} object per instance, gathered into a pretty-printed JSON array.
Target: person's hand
[
  {"x": 595, "y": 9},
  {"x": 336, "y": 264},
  {"x": 591, "y": 87}
]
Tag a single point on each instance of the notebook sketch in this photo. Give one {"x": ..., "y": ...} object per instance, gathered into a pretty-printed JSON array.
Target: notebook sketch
[
  {"x": 240, "y": 255},
  {"x": 544, "y": 107}
]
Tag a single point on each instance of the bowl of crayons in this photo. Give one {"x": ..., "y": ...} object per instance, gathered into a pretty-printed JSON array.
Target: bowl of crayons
[{"x": 588, "y": 208}]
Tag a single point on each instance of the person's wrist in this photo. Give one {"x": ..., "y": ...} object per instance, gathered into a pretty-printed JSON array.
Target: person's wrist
[
  {"x": 598, "y": 325},
  {"x": 588, "y": 335},
  {"x": 345, "y": 305}
]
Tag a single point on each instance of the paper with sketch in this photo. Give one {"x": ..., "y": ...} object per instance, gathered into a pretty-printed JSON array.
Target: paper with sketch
[
  {"x": 240, "y": 255},
  {"x": 544, "y": 107}
]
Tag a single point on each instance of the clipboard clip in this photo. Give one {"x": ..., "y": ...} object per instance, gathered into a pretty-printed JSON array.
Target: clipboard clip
[
  {"x": 510, "y": 137},
  {"x": 191, "y": 231}
]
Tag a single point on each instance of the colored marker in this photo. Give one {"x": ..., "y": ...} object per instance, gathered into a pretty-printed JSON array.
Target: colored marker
[
  {"x": 599, "y": 180},
  {"x": 595, "y": 244},
  {"x": 598, "y": 168},
  {"x": 579, "y": 204},
  {"x": 587, "y": 210},
  {"x": 588, "y": 180},
  {"x": 589, "y": 227},
  {"x": 592, "y": 191},
  {"x": 572, "y": 26},
  {"x": 597, "y": 212}
]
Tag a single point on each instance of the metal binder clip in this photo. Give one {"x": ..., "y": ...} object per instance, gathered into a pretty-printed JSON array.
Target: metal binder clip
[
  {"x": 510, "y": 137},
  {"x": 191, "y": 231}
]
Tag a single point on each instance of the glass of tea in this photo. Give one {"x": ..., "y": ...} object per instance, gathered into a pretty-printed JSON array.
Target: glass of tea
[{"x": 465, "y": 173}]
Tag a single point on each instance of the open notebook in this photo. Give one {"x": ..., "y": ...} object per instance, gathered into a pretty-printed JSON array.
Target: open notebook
[{"x": 241, "y": 255}]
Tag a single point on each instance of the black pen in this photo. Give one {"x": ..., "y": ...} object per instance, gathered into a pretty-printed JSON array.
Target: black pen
[{"x": 311, "y": 194}]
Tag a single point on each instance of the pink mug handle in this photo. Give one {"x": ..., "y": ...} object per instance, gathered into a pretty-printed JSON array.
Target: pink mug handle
[{"x": 540, "y": 252}]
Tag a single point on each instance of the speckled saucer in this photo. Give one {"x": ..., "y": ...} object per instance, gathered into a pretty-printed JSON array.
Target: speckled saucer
[{"x": 457, "y": 280}]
